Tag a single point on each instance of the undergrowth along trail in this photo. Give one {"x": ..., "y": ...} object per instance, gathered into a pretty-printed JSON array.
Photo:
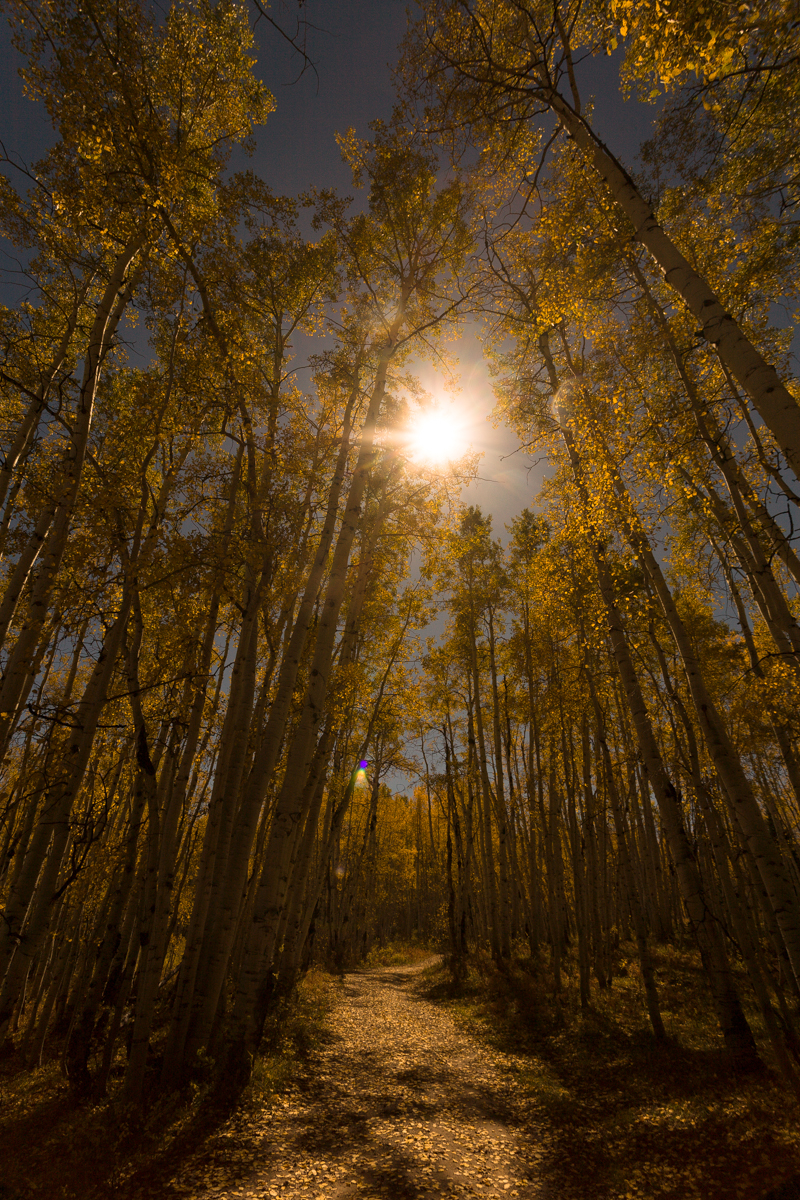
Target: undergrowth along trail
[
  {"x": 395, "y": 1082},
  {"x": 417, "y": 1092}
]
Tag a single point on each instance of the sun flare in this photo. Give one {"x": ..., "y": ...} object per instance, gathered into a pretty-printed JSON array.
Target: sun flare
[{"x": 436, "y": 437}]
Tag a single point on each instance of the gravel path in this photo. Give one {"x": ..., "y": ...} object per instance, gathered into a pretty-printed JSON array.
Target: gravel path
[{"x": 400, "y": 1104}]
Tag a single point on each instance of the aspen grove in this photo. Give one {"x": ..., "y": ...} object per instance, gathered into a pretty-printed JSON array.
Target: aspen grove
[{"x": 219, "y": 572}]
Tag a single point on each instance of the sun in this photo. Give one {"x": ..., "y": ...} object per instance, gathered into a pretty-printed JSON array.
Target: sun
[{"x": 436, "y": 437}]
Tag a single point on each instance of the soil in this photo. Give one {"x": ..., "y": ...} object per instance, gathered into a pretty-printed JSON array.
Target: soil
[
  {"x": 411, "y": 1088},
  {"x": 399, "y": 1103}
]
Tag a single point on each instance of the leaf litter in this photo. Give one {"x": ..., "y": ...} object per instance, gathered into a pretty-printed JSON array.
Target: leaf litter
[
  {"x": 399, "y": 1103},
  {"x": 408, "y": 1099}
]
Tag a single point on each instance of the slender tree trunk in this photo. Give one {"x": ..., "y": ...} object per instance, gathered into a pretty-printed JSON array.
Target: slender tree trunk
[
  {"x": 245, "y": 1027},
  {"x": 623, "y": 851},
  {"x": 52, "y": 528},
  {"x": 30, "y": 901},
  {"x": 733, "y": 1023},
  {"x": 771, "y": 398},
  {"x": 763, "y": 846}
]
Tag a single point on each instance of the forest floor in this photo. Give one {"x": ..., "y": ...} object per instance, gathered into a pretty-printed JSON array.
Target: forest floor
[{"x": 410, "y": 1087}]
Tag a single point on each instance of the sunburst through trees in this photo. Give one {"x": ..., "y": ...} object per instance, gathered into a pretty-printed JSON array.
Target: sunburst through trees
[{"x": 219, "y": 573}]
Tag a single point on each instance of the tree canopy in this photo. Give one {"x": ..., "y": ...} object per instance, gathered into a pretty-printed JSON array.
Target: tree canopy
[{"x": 220, "y": 572}]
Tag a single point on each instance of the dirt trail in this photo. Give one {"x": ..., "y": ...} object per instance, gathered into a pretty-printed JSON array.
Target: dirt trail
[{"x": 400, "y": 1104}]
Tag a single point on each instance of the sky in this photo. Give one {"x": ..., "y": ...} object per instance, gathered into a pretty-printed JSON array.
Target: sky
[{"x": 354, "y": 45}]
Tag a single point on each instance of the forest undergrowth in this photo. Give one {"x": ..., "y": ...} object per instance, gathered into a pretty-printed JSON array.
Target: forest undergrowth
[
  {"x": 636, "y": 1118},
  {"x": 52, "y": 1147},
  {"x": 649, "y": 1119}
]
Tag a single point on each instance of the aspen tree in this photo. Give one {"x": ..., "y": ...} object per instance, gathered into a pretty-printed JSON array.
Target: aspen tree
[
  {"x": 767, "y": 854},
  {"x": 479, "y": 61},
  {"x": 733, "y": 1022},
  {"x": 133, "y": 145}
]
